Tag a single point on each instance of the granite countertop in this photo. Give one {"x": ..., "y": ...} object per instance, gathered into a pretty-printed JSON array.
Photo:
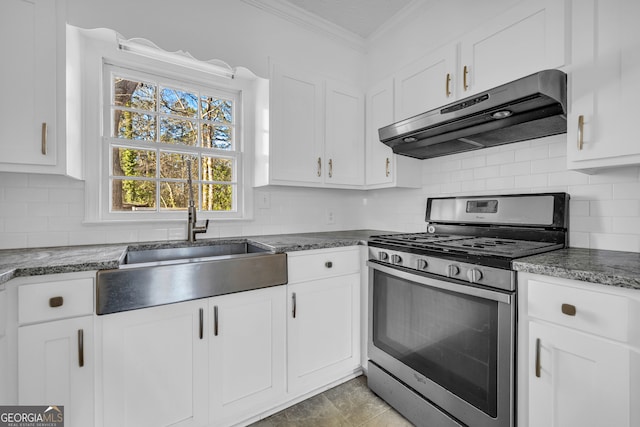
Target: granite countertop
[
  {"x": 38, "y": 261},
  {"x": 613, "y": 268}
]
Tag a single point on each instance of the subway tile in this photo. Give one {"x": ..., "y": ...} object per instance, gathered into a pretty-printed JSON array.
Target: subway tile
[
  {"x": 86, "y": 237},
  {"x": 500, "y": 158},
  {"x": 555, "y": 164},
  {"x": 14, "y": 180},
  {"x": 474, "y": 162},
  {"x": 42, "y": 209},
  {"x": 558, "y": 149},
  {"x": 16, "y": 195},
  {"x": 628, "y": 225},
  {"x": 502, "y": 183},
  {"x": 515, "y": 169},
  {"x": 618, "y": 208},
  {"x": 486, "y": 172},
  {"x": 591, "y": 224},
  {"x": 476, "y": 185},
  {"x": 69, "y": 195},
  {"x": 532, "y": 153},
  {"x": 567, "y": 178},
  {"x": 531, "y": 181},
  {"x": 27, "y": 224},
  {"x": 578, "y": 239},
  {"x": 591, "y": 192},
  {"x": 47, "y": 239},
  {"x": 578, "y": 207},
  {"x": 614, "y": 175},
  {"x": 626, "y": 190},
  {"x": 615, "y": 242},
  {"x": 10, "y": 240}
]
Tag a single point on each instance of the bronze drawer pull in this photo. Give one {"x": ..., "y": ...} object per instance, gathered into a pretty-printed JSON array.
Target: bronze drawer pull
[
  {"x": 56, "y": 302},
  {"x": 538, "y": 368},
  {"x": 215, "y": 320},
  {"x": 80, "y": 347},
  {"x": 201, "y": 329},
  {"x": 569, "y": 309}
]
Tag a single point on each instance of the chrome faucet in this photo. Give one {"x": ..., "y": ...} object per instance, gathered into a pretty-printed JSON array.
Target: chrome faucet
[{"x": 192, "y": 226}]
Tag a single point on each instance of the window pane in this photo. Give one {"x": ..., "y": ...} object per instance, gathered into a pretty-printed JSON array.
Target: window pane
[
  {"x": 174, "y": 165},
  {"x": 217, "y": 110},
  {"x": 217, "y": 197},
  {"x": 176, "y": 131},
  {"x": 134, "y": 94},
  {"x": 136, "y": 126},
  {"x": 217, "y": 137},
  {"x": 129, "y": 195},
  {"x": 217, "y": 169},
  {"x": 178, "y": 102},
  {"x": 130, "y": 162},
  {"x": 175, "y": 195}
]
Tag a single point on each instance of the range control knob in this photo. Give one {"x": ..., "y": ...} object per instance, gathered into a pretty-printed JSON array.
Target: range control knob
[
  {"x": 422, "y": 264},
  {"x": 396, "y": 259},
  {"x": 474, "y": 275},
  {"x": 383, "y": 256},
  {"x": 452, "y": 270}
]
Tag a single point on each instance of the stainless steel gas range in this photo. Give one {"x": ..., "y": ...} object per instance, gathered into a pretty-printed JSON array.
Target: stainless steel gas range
[{"x": 442, "y": 306}]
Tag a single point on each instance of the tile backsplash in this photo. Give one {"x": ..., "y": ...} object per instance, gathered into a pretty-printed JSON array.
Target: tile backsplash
[
  {"x": 604, "y": 207},
  {"x": 40, "y": 210}
]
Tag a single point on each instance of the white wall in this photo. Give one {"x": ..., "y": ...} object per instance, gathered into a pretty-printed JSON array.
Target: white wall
[{"x": 38, "y": 210}]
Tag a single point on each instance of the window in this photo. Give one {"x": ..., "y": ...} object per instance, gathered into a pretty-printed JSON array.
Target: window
[{"x": 153, "y": 127}]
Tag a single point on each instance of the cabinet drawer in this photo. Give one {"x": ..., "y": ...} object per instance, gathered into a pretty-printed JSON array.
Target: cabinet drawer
[
  {"x": 317, "y": 264},
  {"x": 55, "y": 300},
  {"x": 595, "y": 312}
]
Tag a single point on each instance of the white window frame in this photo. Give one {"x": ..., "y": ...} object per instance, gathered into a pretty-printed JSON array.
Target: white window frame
[
  {"x": 109, "y": 142},
  {"x": 87, "y": 53}
]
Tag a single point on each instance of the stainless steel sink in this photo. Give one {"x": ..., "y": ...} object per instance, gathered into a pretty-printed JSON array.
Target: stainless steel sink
[
  {"x": 154, "y": 277},
  {"x": 189, "y": 253}
]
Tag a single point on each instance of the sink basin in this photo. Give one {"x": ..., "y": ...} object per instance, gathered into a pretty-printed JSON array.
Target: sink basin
[
  {"x": 155, "y": 277},
  {"x": 190, "y": 253}
]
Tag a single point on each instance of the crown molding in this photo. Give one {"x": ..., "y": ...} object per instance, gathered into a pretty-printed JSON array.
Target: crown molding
[
  {"x": 310, "y": 21},
  {"x": 403, "y": 15}
]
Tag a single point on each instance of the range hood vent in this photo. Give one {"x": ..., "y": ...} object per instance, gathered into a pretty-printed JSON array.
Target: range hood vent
[{"x": 531, "y": 107}]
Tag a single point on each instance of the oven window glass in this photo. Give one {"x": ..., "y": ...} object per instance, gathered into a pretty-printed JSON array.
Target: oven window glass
[{"x": 448, "y": 337}]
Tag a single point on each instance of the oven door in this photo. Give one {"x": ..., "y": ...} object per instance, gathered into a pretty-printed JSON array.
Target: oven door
[{"x": 450, "y": 342}]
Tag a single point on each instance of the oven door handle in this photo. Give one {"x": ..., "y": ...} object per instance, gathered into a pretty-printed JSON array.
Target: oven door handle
[{"x": 443, "y": 283}]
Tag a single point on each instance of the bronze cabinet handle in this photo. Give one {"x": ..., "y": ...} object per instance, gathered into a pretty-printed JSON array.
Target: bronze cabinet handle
[
  {"x": 465, "y": 73},
  {"x": 43, "y": 147},
  {"x": 80, "y": 348},
  {"x": 538, "y": 369},
  {"x": 387, "y": 164},
  {"x": 580, "y": 131},
  {"x": 201, "y": 314},
  {"x": 294, "y": 304},
  {"x": 215, "y": 320},
  {"x": 330, "y": 168},
  {"x": 568, "y": 309},
  {"x": 56, "y": 301},
  {"x": 319, "y": 166},
  {"x": 447, "y": 86}
]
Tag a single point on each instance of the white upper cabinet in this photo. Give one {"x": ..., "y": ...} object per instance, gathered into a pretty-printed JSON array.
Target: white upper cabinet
[
  {"x": 604, "y": 84},
  {"x": 344, "y": 142},
  {"x": 317, "y": 132},
  {"x": 297, "y": 133},
  {"x": 385, "y": 169},
  {"x": 523, "y": 40},
  {"x": 32, "y": 81},
  {"x": 426, "y": 84}
]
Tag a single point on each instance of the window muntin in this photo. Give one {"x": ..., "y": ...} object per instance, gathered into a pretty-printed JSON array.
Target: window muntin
[{"x": 156, "y": 125}]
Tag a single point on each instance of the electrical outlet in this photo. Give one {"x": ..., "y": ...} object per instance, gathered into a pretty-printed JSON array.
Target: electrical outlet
[
  {"x": 330, "y": 216},
  {"x": 264, "y": 200}
]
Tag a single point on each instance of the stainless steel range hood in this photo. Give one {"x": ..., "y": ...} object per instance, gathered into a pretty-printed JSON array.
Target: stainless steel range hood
[{"x": 527, "y": 108}]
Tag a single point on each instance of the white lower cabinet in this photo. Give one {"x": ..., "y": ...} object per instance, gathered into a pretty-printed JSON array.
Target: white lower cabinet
[
  {"x": 56, "y": 344},
  {"x": 323, "y": 324},
  {"x": 155, "y": 367},
  {"x": 213, "y": 361},
  {"x": 579, "y": 354}
]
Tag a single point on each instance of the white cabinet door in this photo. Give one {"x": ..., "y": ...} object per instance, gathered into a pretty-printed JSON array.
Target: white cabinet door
[
  {"x": 602, "y": 124},
  {"x": 344, "y": 142},
  {"x": 28, "y": 81},
  {"x": 323, "y": 331},
  {"x": 525, "y": 39},
  {"x": 379, "y": 109},
  {"x": 247, "y": 352},
  {"x": 155, "y": 368},
  {"x": 426, "y": 84},
  {"x": 55, "y": 367},
  {"x": 383, "y": 168},
  {"x": 583, "y": 380},
  {"x": 298, "y": 126}
]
